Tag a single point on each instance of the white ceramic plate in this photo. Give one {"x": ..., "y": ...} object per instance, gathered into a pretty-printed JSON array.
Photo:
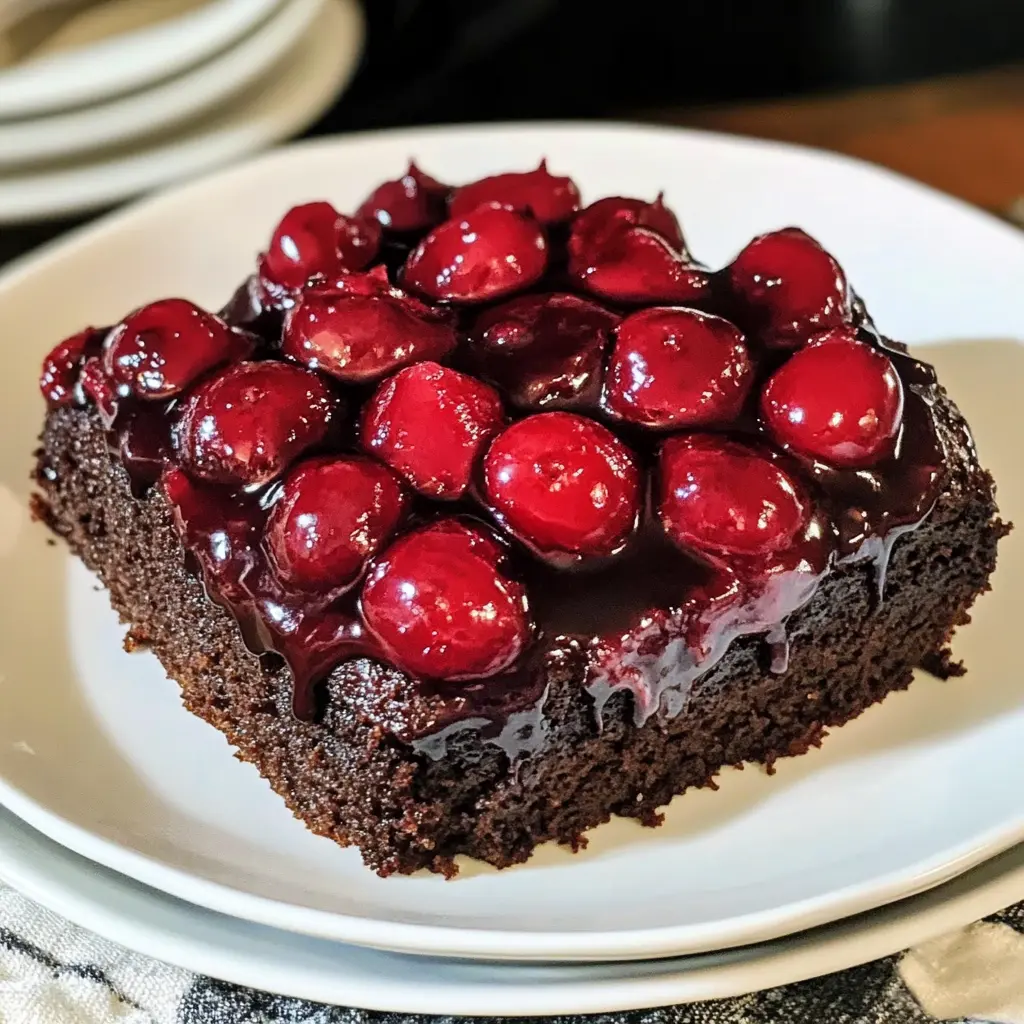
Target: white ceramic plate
[
  {"x": 150, "y": 111},
  {"x": 291, "y": 97},
  {"x": 127, "y": 60},
  {"x": 222, "y": 947},
  {"x": 96, "y": 753}
]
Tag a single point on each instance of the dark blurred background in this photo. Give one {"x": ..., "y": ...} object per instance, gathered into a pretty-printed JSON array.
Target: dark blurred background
[
  {"x": 931, "y": 88},
  {"x": 472, "y": 60}
]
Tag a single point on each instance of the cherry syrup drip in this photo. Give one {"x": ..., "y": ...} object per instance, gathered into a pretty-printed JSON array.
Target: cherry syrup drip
[
  {"x": 223, "y": 532},
  {"x": 647, "y": 609}
]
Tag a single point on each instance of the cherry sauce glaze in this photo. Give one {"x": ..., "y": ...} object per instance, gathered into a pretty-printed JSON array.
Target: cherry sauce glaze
[{"x": 481, "y": 434}]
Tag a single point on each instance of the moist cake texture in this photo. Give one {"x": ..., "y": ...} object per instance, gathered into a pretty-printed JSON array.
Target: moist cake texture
[{"x": 476, "y": 517}]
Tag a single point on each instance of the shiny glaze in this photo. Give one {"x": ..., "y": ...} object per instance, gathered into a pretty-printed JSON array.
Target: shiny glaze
[{"x": 649, "y": 620}]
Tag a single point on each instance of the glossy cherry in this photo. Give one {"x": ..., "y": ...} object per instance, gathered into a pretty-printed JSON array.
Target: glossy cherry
[
  {"x": 359, "y": 331},
  {"x": 566, "y": 486},
  {"x": 484, "y": 255},
  {"x": 246, "y": 425},
  {"x": 607, "y": 217},
  {"x": 429, "y": 423},
  {"x": 543, "y": 351},
  {"x": 163, "y": 348},
  {"x": 410, "y": 204},
  {"x": 439, "y": 604},
  {"x": 673, "y": 368},
  {"x": 633, "y": 264},
  {"x": 333, "y": 513},
  {"x": 719, "y": 497},
  {"x": 788, "y": 288},
  {"x": 546, "y": 196},
  {"x": 838, "y": 400},
  {"x": 315, "y": 239},
  {"x": 63, "y": 365}
]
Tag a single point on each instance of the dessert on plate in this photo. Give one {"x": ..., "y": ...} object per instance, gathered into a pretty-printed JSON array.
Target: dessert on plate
[{"x": 479, "y": 516}]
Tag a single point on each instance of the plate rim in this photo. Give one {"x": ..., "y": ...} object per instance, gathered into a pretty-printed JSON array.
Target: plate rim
[
  {"x": 492, "y": 945},
  {"x": 477, "y": 942},
  {"x": 826, "y": 950},
  {"x": 111, "y": 219}
]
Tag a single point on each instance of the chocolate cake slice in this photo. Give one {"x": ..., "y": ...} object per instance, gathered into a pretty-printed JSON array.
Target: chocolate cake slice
[{"x": 476, "y": 517}]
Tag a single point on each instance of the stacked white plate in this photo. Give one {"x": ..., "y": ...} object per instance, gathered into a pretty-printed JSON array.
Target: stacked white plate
[
  {"x": 129, "y": 816},
  {"x": 125, "y": 97}
]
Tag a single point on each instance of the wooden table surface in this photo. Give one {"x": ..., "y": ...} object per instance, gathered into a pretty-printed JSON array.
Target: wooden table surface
[{"x": 963, "y": 134}]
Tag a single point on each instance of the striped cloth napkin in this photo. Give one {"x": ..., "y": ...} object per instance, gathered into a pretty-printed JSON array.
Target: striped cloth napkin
[{"x": 52, "y": 972}]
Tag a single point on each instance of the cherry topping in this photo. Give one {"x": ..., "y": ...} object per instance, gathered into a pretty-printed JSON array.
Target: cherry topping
[
  {"x": 837, "y": 399},
  {"x": 359, "y": 331},
  {"x": 412, "y": 203},
  {"x": 546, "y": 196},
  {"x": 161, "y": 349},
  {"x": 97, "y": 388},
  {"x": 334, "y": 512},
  {"x": 543, "y": 351},
  {"x": 789, "y": 288},
  {"x": 62, "y": 366},
  {"x": 490, "y": 252},
  {"x": 316, "y": 239},
  {"x": 627, "y": 263},
  {"x": 609, "y": 216},
  {"x": 246, "y": 425},
  {"x": 144, "y": 444},
  {"x": 720, "y": 497},
  {"x": 429, "y": 424},
  {"x": 439, "y": 604},
  {"x": 566, "y": 486},
  {"x": 676, "y": 368}
]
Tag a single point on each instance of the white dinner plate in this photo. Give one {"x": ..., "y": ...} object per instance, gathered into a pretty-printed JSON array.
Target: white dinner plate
[
  {"x": 96, "y": 752},
  {"x": 167, "y": 929},
  {"x": 144, "y": 113},
  {"x": 281, "y": 104},
  {"x": 127, "y": 60}
]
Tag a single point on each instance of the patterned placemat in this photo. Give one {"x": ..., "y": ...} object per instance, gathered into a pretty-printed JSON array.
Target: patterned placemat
[{"x": 52, "y": 972}]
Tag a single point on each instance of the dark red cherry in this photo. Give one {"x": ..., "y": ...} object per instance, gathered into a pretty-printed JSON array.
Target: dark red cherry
[
  {"x": 247, "y": 424},
  {"x": 316, "y": 239},
  {"x": 566, "y": 486},
  {"x": 720, "y": 497},
  {"x": 837, "y": 399},
  {"x": 789, "y": 288},
  {"x": 429, "y": 424},
  {"x": 333, "y": 513},
  {"x": 63, "y": 365},
  {"x": 635, "y": 264},
  {"x": 439, "y": 604},
  {"x": 163, "y": 348},
  {"x": 144, "y": 443},
  {"x": 543, "y": 351},
  {"x": 97, "y": 388},
  {"x": 599, "y": 221},
  {"x": 410, "y": 204},
  {"x": 360, "y": 337},
  {"x": 672, "y": 368},
  {"x": 546, "y": 196},
  {"x": 490, "y": 252}
]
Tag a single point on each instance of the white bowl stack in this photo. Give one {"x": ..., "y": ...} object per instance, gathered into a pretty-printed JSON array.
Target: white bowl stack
[{"x": 101, "y": 100}]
